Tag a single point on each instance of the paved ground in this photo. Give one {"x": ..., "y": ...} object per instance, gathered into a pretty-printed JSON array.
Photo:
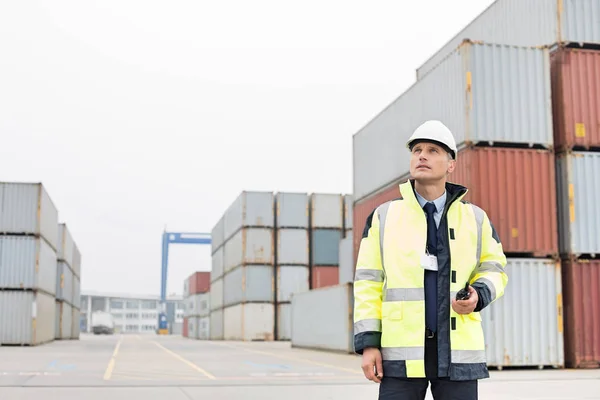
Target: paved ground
[{"x": 174, "y": 368}]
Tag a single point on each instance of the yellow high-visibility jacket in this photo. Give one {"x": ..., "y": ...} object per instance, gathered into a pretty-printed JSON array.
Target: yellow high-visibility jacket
[{"x": 389, "y": 296}]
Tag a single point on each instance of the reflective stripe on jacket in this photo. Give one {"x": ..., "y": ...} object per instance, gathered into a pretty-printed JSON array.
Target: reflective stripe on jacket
[{"x": 389, "y": 296}]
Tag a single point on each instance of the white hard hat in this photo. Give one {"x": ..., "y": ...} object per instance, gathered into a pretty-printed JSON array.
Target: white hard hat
[{"x": 436, "y": 131}]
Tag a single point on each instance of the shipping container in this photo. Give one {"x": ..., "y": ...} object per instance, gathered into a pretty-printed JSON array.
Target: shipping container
[
  {"x": 348, "y": 205},
  {"x": 65, "y": 320},
  {"x": 527, "y": 23},
  {"x": 578, "y": 188},
  {"x": 198, "y": 282},
  {"x": 484, "y": 93},
  {"x": 326, "y": 211},
  {"x": 204, "y": 327},
  {"x": 284, "y": 321},
  {"x": 292, "y": 210},
  {"x": 217, "y": 236},
  {"x": 325, "y": 246},
  {"x": 525, "y": 326},
  {"x": 192, "y": 327},
  {"x": 499, "y": 179},
  {"x": 27, "y": 262},
  {"x": 249, "y": 246},
  {"x": 26, "y": 208},
  {"x": 216, "y": 295},
  {"x": 76, "y": 292},
  {"x": 324, "y": 276},
  {"x": 26, "y": 318},
  {"x": 346, "y": 271},
  {"x": 185, "y": 332},
  {"x": 581, "y": 288},
  {"x": 176, "y": 328},
  {"x": 291, "y": 279},
  {"x": 251, "y": 283},
  {"x": 216, "y": 325},
  {"x": 575, "y": 98},
  {"x": 76, "y": 327},
  {"x": 57, "y": 322},
  {"x": 77, "y": 262},
  {"x": 66, "y": 246},
  {"x": 250, "y": 209},
  {"x": 64, "y": 283},
  {"x": 292, "y": 247},
  {"x": 322, "y": 319},
  {"x": 217, "y": 264},
  {"x": 249, "y": 322},
  {"x": 198, "y": 305}
]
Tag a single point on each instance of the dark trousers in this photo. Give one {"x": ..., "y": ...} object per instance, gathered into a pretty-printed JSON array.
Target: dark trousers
[{"x": 416, "y": 388}]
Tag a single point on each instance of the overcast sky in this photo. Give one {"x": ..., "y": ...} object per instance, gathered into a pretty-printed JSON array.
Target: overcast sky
[{"x": 138, "y": 115}]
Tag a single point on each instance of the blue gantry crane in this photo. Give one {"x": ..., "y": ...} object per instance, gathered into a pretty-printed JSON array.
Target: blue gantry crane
[{"x": 173, "y": 238}]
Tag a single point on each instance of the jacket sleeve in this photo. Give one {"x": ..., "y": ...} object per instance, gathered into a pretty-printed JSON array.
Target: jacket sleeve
[
  {"x": 368, "y": 284},
  {"x": 489, "y": 278}
]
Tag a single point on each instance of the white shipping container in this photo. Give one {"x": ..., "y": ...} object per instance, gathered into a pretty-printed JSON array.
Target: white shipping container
[
  {"x": 199, "y": 305},
  {"x": 217, "y": 265},
  {"x": 323, "y": 319},
  {"x": 204, "y": 328},
  {"x": 284, "y": 321},
  {"x": 26, "y": 208},
  {"x": 292, "y": 210},
  {"x": 250, "y": 209},
  {"x": 76, "y": 292},
  {"x": 251, "y": 283},
  {"x": 216, "y": 294},
  {"x": 292, "y": 279},
  {"x": 578, "y": 188},
  {"x": 217, "y": 236},
  {"x": 327, "y": 210},
  {"x": 76, "y": 326},
  {"x": 527, "y": 23},
  {"x": 57, "y": 325},
  {"x": 26, "y": 318},
  {"x": 348, "y": 211},
  {"x": 346, "y": 259},
  {"x": 77, "y": 261},
  {"x": 249, "y": 322},
  {"x": 27, "y": 262},
  {"x": 66, "y": 246},
  {"x": 292, "y": 247},
  {"x": 65, "y": 286},
  {"x": 216, "y": 325},
  {"x": 192, "y": 324},
  {"x": 525, "y": 326},
  {"x": 249, "y": 246},
  {"x": 482, "y": 92},
  {"x": 65, "y": 320}
]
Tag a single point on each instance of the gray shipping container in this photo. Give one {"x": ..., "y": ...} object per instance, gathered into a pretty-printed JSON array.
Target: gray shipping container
[
  {"x": 284, "y": 321},
  {"x": 326, "y": 211},
  {"x": 26, "y": 318},
  {"x": 578, "y": 189},
  {"x": 249, "y": 322},
  {"x": 292, "y": 210},
  {"x": 216, "y": 325},
  {"x": 27, "y": 262},
  {"x": 65, "y": 320},
  {"x": 482, "y": 92},
  {"x": 76, "y": 292},
  {"x": 528, "y": 23},
  {"x": 250, "y": 209},
  {"x": 292, "y": 247},
  {"x": 252, "y": 283},
  {"x": 217, "y": 264},
  {"x": 346, "y": 257},
  {"x": 76, "y": 326},
  {"x": 216, "y": 295},
  {"x": 348, "y": 211},
  {"x": 249, "y": 246},
  {"x": 323, "y": 319},
  {"x": 64, "y": 283},
  {"x": 292, "y": 279},
  {"x": 217, "y": 236},
  {"x": 325, "y": 246},
  {"x": 26, "y": 208},
  {"x": 66, "y": 246},
  {"x": 203, "y": 328},
  {"x": 76, "y": 261},
  {"x": 525, "y": 326},
  {"x": 198, "y": 305}
]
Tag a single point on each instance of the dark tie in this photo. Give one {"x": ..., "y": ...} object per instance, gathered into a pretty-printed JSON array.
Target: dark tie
[{"x": 431, "y": 276}]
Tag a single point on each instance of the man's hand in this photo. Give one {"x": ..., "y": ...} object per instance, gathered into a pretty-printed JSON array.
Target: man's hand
[
  {"x": 372, "y": 365},
  {"x": 466, "y": 306}
]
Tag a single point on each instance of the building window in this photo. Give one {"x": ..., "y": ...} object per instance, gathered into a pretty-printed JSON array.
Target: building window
[
  {"x": 133, "y": 304},
  {"x": 149, "y": 305},
  {"x": 116, "y": 304},
  {"x": 132, "y": 316},
  {"x": 84, "y": 302},
  {"x": 149, "y": 315},
  {"x": 180, "y": 305}
]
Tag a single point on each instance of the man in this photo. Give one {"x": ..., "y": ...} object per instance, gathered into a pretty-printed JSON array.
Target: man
[{"x": 415, "y": 256}]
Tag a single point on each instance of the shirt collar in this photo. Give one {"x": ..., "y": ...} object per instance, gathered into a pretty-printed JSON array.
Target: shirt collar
[{"x": 440, "y": 202}]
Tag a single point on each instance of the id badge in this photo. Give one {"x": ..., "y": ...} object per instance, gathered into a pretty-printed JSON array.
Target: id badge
[{"x": 429, "y": 262}]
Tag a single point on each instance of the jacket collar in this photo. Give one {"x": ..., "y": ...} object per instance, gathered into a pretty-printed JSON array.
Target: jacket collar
[{"x": 454, "y": 192}]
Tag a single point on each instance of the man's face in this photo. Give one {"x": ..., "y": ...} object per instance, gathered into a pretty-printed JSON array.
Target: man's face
[{"x": 429, "y": 162}]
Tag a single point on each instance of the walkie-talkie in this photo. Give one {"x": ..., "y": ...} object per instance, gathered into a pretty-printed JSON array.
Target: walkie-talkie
[{"x": 463, "y": 294}]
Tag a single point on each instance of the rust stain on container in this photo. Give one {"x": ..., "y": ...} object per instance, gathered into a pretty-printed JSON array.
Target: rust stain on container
[
  {"x": 324, "y": 276},
  {"x": 517, "y": 189},
  {"x": 581, "y": 290},
  {"x": 575, "y": 101}
]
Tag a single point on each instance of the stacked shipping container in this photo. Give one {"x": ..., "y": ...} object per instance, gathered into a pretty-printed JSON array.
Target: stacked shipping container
[
  {"x": 197, "y": 306},
  {"x": 216, "y": 280},
  {"x": 68, "y": 292}
]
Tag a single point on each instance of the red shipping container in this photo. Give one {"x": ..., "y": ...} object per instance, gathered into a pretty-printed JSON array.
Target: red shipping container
[
  {"x": 199, "y": 282},
  {"x": 575, "y": 98},
  {"x": 323, "y": 276},
  {"x": 185, "y": 332},
  {"x": 581, "y": 305}
]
